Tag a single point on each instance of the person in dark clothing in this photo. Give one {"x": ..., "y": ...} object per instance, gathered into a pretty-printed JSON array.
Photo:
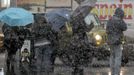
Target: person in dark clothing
[
  {"x": 79, "y": 47},
  {"x": 44, "y": 46},
  {"x": 79, "y": 26},
  {"x": 114, "y": 29},
  {"x": 12, "y": 42}
]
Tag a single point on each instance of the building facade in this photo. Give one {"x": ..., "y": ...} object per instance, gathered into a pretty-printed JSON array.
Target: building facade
[{"x": 40, "y": 6}]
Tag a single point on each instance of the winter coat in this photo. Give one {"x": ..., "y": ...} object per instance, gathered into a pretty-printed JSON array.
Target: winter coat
[
  {"x": 75, "y": 49},
  {"x": 43, "y": 30},
  {"x": 12, "y": 38},
  {"x": 115, "y": 27}
]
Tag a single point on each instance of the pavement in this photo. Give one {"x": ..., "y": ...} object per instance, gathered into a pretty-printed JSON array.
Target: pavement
[
  {"x": 2, "y": 60},
  {"x": 60, "y": 69},
  {"x": 2, "y": 63},
  {"x": 94, "y": 71}
]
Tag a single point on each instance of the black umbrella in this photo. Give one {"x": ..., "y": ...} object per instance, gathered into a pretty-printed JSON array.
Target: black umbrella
[{"x": 57, "y": 18}]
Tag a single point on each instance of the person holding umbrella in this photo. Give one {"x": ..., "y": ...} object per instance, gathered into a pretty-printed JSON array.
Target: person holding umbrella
[
  {"x": 44, "y": 46},
  {"x": 14, "y": 20},
  {"x": 73, "y": 43},
  {"x": 80, "y": 42}
]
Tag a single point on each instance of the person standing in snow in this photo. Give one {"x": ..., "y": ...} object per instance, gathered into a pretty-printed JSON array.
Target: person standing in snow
[
  {"x": 114, "y": 29},
  {"x": 44, "y": 47},
  {"x": 80, "y": 44}
]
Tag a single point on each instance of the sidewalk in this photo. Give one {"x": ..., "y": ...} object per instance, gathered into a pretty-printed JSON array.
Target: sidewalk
[{"x": 2, "y": 60}]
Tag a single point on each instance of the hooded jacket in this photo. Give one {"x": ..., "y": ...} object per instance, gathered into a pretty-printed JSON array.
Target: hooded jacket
[{"x": 115, "y": 27}]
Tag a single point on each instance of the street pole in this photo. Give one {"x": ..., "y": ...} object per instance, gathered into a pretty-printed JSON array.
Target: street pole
[
  {"x": 13, "y": 3},
  {"x": 71, "y": 4},
  {"x": 45, "y": 7}
]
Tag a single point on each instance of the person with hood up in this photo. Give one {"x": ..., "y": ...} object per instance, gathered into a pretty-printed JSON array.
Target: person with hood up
[
  {"x": 80, "y": 45},
  {"x": 79, "y": 14},
  {"x": 13, "y": 41},
  {"x": 114, "y": 29},
  {"x": 44, "y": 46}
]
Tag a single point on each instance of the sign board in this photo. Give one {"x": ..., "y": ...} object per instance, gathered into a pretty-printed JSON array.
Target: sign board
[
  {"x": 36, "y": 2},
  {"x": 58, "y": 3},
  {"x": 105, "y": 10},
  {"x": 52, "y": 3},
  {"x": 43, "y": 5}
]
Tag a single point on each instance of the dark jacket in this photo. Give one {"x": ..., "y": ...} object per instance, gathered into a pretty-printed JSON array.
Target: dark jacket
[
  {"x": 41, "y": 30},
  {"x": 115, "y": 27},
  {"x": 12, "y": 41}
]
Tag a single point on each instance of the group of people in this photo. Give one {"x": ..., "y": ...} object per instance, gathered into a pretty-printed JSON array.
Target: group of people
[
  {"x": 44, "y": 54},
  {"x": 43, "y": 46}
]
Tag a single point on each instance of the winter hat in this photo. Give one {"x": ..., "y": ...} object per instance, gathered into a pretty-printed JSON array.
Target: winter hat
[{"x": 119, "y": 13}]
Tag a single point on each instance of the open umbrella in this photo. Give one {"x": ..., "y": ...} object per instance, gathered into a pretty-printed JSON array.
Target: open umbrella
[
  {"x": 57, "y": 18},
  {"x": 16, "y": 17},
  {"x": 84, "y": 8}
]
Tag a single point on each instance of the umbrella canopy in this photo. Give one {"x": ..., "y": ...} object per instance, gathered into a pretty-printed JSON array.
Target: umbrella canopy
[
  {"x": 16, "y": 17},
  {"x": 57, "y": 18},
  {"x": 84, "y": 8}
]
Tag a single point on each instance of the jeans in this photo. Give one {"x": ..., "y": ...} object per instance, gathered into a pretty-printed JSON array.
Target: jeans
[
  {"x": 43, "y": 63},
  {"x": 12, "y": 64},
  {"x": 115, "y": 59}
]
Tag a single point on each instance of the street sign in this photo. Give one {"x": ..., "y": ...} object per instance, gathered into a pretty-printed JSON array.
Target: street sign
[{"x": 53, "y": 4}]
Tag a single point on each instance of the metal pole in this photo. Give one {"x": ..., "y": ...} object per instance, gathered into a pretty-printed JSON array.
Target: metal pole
[
  {"x": 0, "y": 3},
  {"x": 71, "y": 4},
  {"x": 45, "y": 5},
  {"x": 13, "y": 3},
  {"x": 7, "y": 3}
]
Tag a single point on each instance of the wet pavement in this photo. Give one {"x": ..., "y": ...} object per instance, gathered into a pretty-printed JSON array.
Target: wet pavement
[
  {"x": 94, "y": 71},
  {"x": 106, "y": 71},
  {"x": 2, "y": 60},
  {"x": 60, "y": 69},
  {"x": 2, "y": 63}
]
